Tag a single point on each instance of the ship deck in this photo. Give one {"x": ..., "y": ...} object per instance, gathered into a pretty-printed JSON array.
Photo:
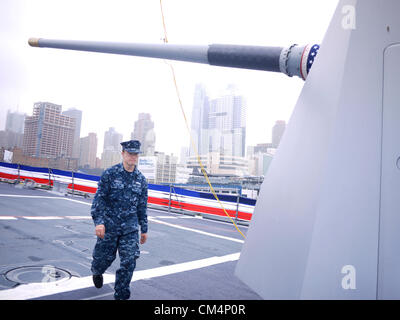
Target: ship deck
[{"x": 46, "y": 244}]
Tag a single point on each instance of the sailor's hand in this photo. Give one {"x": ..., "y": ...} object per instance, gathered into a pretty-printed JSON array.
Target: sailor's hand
[
  {"x": 143, "y": 238},
  {"x": 100, "y": 230}
]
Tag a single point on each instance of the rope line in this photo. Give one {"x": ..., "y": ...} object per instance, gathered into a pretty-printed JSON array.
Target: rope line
[{"x": 187, "y": 127}]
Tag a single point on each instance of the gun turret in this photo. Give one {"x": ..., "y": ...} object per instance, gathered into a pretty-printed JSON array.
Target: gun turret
[{"x": 293, "y": 60}]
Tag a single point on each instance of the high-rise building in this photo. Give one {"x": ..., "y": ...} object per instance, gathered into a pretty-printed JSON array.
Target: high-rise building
[
  {"x": 227, "y": 124},
  {"x": 160, "y": 168},
  {"x": 166, "y": 168},
  {"x": 10, "y": 139},
  {"x": 112, "y": 140},
  {"x": 13, "y": 134},
  {"x": 144, "y": 132},
  {"x": 15, "y": 122},
  {"x": 277, "y": 132},
  {"x": 77, "y": 115},
  {"x": 48, "y": 133},
  {"x": 219, "y": 127},
  {"x": 88, "y": 151},
  {"x": 200, "y": 119},
  {"x": 112, "y": 148},
  {"x": 219, "y": 124}
]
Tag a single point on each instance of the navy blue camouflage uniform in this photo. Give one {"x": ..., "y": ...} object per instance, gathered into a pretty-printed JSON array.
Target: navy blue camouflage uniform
[{"x": 120, "y": 204}]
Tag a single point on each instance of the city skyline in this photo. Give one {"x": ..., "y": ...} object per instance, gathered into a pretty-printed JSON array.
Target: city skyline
[
  {"x": 212, "y": 100},
  {"x": 230, "y": 112},
  {"x": 112, "y": 90},
  {"x": 82, "y": 127}
]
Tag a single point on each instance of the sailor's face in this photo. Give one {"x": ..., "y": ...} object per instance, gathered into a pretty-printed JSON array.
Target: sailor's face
[{"x": 130, "y": 159}]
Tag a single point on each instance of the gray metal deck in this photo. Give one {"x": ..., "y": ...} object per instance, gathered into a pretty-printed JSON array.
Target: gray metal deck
[{"x": 46, "y": 241}]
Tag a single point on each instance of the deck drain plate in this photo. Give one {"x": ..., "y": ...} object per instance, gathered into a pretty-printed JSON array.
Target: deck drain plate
[{"x": 37, "y": 274}]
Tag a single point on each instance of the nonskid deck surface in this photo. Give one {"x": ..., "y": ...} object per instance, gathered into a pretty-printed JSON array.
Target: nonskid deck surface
[{"x": 46, "y": 244}]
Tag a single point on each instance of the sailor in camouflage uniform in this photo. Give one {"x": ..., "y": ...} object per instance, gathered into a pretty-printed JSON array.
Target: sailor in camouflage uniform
[{"x": 118, "y": 208}]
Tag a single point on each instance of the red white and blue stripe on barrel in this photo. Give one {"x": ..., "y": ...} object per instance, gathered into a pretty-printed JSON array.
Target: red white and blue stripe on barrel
[
  {"x": 158, "y": 195},
  {"x": 307, "y": 59}
]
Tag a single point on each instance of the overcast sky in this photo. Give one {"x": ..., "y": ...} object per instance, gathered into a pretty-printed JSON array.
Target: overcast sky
[{"x": 111, "y": 90}]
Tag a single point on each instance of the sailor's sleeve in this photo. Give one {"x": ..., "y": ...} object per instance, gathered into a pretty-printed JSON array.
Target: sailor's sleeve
[
  {"x": 99, "y": 203},
  {"x": 142, "y": 208}
]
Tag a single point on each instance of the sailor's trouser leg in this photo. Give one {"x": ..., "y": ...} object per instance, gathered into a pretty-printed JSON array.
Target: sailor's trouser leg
[
  {"x": 104, "y": 253},
  {"x": 128, "y": 251}
]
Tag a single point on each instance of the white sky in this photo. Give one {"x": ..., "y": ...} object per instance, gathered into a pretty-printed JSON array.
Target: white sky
[{"x": 111, "y": 90}]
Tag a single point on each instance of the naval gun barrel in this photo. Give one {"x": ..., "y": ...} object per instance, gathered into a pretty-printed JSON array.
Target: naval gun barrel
[{"x": 293, "y": 60}]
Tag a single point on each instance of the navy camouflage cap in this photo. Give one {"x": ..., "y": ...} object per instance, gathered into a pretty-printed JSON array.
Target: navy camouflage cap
[{"x": 131, "y": 146}]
